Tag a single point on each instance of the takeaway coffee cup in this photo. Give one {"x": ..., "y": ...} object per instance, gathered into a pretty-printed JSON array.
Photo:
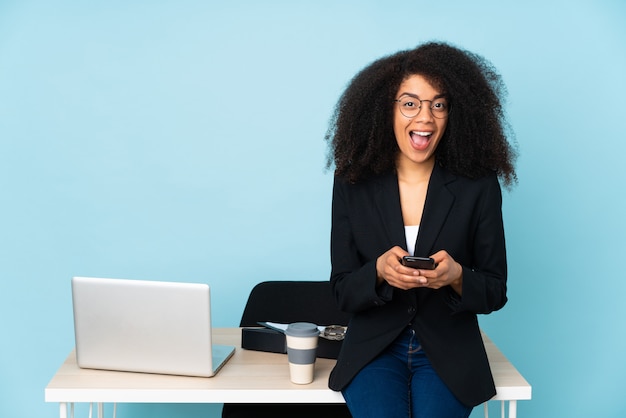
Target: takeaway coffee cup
[{"x": 301, "y": 351}]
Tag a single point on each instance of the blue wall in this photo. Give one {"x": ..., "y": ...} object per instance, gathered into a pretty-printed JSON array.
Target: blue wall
[{"x": 161, "y": 140}]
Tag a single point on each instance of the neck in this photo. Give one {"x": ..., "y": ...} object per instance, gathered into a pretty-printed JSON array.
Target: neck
[{"x": 411, "y": 172}]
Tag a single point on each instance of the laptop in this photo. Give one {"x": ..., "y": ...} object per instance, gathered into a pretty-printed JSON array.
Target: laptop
[{"x": 145, "y": 326}]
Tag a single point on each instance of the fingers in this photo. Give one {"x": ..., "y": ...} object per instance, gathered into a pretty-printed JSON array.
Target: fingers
[
  {"x": 404, "y": 277},
  {"x": 390, "y": 269},
  {"x": 409, "y": 278},
  {"x": 448, "y": 270}
]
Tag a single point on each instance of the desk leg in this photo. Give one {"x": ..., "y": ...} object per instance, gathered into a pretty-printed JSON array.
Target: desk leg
[
  {"x": 512, "y": 409},
  {"x": 63, "y": 409}
]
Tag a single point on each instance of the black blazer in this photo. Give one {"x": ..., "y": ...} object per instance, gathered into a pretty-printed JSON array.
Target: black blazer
[{"x": 461, "y": 216}]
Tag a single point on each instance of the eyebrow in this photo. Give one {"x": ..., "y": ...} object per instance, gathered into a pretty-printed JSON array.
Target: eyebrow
[{"x": 439, "y": 96}]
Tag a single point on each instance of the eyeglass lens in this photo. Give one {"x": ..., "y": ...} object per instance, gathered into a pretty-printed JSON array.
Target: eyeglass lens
[{"x": 410, "y": 106}]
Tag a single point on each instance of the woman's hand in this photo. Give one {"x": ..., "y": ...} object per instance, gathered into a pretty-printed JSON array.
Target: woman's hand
[
  {"x": 448, "y": 272},
  {"x": 389, "y": 269}
]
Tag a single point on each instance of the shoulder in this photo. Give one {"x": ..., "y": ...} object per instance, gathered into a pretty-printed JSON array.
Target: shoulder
[
  {"x": 460, "y": 183},
  {"x": 368, "y": 185}
]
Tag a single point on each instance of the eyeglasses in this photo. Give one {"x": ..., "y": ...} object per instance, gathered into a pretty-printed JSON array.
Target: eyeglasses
[{"x": 410, "y": 106}]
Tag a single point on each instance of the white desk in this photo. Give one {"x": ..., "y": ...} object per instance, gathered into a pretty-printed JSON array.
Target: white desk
[{"x": 249, "y": 376}]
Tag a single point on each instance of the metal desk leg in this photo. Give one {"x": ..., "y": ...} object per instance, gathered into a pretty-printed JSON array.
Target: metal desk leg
[
  {"x": 512, "y": 409},
  {"x": 99, "y": 410},
  {"x": 63, "y": 409}
]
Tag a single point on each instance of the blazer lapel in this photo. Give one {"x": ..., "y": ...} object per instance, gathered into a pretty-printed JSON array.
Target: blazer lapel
[
  {"x": 388, "y": 203},
  {"x": 439, "y": 201}
]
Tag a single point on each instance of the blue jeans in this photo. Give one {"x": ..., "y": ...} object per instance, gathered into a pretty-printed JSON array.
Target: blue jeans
[{"x": 401, "y": 383}]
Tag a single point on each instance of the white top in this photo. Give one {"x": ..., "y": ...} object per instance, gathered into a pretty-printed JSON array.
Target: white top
[{"x": 410, "y": 231}]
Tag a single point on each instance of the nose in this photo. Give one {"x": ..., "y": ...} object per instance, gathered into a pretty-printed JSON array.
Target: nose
[{"x": 424, "y": 114}]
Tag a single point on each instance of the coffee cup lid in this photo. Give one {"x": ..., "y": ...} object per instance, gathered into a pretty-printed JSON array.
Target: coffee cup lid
[{"x": 302, "y": 329}]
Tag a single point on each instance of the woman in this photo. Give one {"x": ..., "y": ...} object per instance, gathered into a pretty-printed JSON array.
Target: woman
[{"x": 418, "y": 141}]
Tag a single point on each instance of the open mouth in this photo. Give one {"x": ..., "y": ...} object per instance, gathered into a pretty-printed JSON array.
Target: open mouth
[{"x": 420, "y": 139}]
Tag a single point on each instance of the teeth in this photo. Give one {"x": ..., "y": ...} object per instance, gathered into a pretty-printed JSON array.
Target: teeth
[{"x": 423, "y": 133}]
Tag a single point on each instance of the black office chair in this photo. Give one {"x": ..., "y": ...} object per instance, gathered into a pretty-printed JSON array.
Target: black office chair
[{"x": 286, "y": 302}]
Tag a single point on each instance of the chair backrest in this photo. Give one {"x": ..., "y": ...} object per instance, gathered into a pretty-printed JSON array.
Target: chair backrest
[{"x": 292, "y": 301}]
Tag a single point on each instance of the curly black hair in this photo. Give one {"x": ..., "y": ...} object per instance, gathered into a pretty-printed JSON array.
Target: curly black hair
[{"x": 476, "y": 141}]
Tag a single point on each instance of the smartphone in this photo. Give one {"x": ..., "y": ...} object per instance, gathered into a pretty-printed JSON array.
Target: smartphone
[{"x": 425, "y": 263}]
